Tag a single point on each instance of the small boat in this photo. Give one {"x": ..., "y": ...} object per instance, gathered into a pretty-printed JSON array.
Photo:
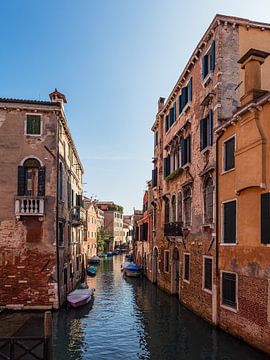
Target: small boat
[
  {"x": 132, "y": 270},
  {"x": 109, "y": 254},
  {"x": 129, "y": 258},
  {"x": 94, "y": 260},
  {"x": 80, "y": 297},
  {"x": 103, "y": 255},
  {"x": 91, "y": 271}
]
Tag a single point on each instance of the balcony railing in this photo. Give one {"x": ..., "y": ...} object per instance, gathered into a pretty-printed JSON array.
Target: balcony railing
[
  {"x": 173, "y": 229},
  {"x": 78, "y": 215},
  {"x": 29, "y": 205}
]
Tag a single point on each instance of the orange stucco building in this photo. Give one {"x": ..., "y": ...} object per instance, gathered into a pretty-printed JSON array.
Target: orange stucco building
[{"x": 244, "y": 210}]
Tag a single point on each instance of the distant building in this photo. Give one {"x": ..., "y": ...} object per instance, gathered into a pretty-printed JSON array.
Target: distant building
[
  {"x": 41, "y": 213},
  {"x": 113, "y": 223},
  {"x": 91, "y": 229}
]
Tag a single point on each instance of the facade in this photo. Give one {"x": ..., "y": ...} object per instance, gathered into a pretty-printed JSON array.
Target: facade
[
  {"x": 113, "y": 223},
  {"x": 185, "y": 246},
  {"x": 91, "y": 231},
  {"x": 41, "y": 214},
  {"x": 244, "y": 211}
]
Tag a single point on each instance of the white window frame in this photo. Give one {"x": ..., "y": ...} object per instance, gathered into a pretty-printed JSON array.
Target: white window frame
[
  {"x": 184, "y": 263},
  {"x": 214, "y": 201},
  {"x": 164, "y": 267},
  {"x": 222, "y": 223},
  {"x": 227, "y": 307},
  {"x": 203, "y": 274},
  {"x": 41, "y": 125},
  {"x": 224, "y": 154}
]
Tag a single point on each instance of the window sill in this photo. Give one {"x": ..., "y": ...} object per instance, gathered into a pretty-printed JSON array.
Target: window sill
[
  {"x": 207, "y": 148},
  {"x": 227, "y": 307},
  {"x": 208, "y": 78},
  {"x": 208, "y": 291},
  {"x": 228, "y": 244},
  {"x": 33, "y": 135},
  {"x": 186, "y": 281},
  {"x": 167, "y": 132},
  {"x": 227, "y": 171},
  {"x": 185, "y": 166}
]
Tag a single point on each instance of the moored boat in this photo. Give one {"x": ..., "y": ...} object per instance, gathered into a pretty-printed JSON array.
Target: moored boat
[
  {"x": 131, "y": 270},
  {"x": 102, "y": 255},
  {"x": 94, "y": 260},
  {"x": 91, "y": 271},
  {"x": 80, "y": 297},
  {"x": 109, "y": 254}
]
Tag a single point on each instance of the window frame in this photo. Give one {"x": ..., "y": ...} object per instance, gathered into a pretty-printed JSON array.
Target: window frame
[
  {"x": 184, "y": 207},
  {"x": 224, "y": 154},
  {"x": 226, "y": 306},
  {"x": 208, "y": 53},
  {"x": 41, "y": 124},
  {"x": 203, "y": 275},
  {"x": 204, "y": 203},
  {"x": 222, "y": 223},
  {"x": 184, "y": 266}
]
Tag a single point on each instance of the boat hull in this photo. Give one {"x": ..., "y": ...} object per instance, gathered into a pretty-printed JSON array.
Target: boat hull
[
  {"x": 131, "y": 273},
  {"x": 80, "y": 297}
]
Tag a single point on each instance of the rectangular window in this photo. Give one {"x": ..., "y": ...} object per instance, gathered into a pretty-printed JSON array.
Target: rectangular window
[
  {"x": 206, "y": 131},
  {"x": 167, "y": 165},
  {"x": 186, "y": 267},
  {"x": 166, "y": 261},
  {"x": 208, "y": 61},
  {"x": 229, "y": 289},
  {"x": 185, "y": 97},
  {"x": 33, "y": 125},
  {"x": 265, "y": 218},
  {"x": 185, "y": 150},
  {"x": 208, "y": 273},
  {"x": 61, "y": 234},
  {"x": 167, "y": 124},
  {"x": 229, "y": 156},
  {"x": 154, "y": 177},
  {"x": 229, "y": 222},
  {"x": 156, "y": 138}
]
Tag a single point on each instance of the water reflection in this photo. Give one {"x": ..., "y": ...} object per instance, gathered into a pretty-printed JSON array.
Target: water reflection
[{"x": 133, "y": 319}]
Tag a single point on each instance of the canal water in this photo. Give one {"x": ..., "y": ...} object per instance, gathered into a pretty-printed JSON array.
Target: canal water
[{"x": 133, "y": 319}]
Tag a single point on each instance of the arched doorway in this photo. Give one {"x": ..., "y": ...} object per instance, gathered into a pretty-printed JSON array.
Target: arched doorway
[
  {"x": 175, "y": 286},
  {"x": 155, "y": 265}
]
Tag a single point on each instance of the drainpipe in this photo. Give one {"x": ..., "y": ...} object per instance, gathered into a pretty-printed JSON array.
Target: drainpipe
[{"x": 56, "y": 235}]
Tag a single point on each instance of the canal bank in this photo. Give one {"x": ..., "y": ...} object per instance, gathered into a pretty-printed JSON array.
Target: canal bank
[{"x": 134, "y": 319}]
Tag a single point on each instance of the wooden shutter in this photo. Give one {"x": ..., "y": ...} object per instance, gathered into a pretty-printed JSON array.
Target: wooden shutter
[
  {"x": 182, "y": 145},
  {"x": 168, "y": 165},
  {"x": 229, "y": 222},
  {"x": 185, "y": 95},
  {"x": 174, "y": 111},
  {"x": 265, "y": 218},
  {"x": 21, "y": 181},
  {"x": 210, "y": 127},
  {"x": 208, "y": 273},
  {"x": 213, "y": 57},
  {"x": 41, "y": 181},
  {"x": 190, "y": 90},
  {"x": 179, "y": 104},
  {"x": 186, "y": 267},
  {"x": 188, "y": 149},
  {"x": 204, "y": 66},
  {"x": 167, "y": 122},
  {"x": 229, "y": 289},
  {"x": 229, "y": 154}
]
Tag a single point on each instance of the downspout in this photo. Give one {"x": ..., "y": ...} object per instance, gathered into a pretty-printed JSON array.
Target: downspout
[{"x": 56, "y": 235}]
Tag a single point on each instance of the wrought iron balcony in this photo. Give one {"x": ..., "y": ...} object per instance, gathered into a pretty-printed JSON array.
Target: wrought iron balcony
[
  {"x": 78, "y": 215},
  {"x": 29, "y": 206},
  {"x": 173, "y": 229}
]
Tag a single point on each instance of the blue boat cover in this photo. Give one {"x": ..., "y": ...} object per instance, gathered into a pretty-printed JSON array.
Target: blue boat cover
[{"x": 132, "y": 267}]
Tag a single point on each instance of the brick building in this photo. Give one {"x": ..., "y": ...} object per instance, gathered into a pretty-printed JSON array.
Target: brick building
[
  {"x": 244, "y": 211},
  {"x": 184, "y": 179},
  {"x": 41, "y": 214}
]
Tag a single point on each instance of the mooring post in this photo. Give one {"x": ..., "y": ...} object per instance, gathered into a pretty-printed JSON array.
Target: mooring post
[{"x": 48, "y": 331}]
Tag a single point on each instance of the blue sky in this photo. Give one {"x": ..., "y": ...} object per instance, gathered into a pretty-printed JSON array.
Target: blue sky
[{"x": 112, "y": 59}]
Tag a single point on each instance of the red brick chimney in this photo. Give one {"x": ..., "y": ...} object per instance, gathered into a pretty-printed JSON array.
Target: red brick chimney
[
  {"x": 56, "y": 96},
  {"x": 251, "y": 62}
]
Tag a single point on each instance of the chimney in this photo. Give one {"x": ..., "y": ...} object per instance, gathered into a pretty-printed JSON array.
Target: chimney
[
  {"x": 251, "y": 62},
  {"x": 56, "y": 96},
  {"x": 161, "y": 102}
]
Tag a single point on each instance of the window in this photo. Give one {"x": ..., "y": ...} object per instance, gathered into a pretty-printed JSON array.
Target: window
[
  {"x": 173, "y": 208},
  {"x": 185, "y": 150},
  {"x": 208, "y": 61},
  {"x": 171, "y": 117},
  {"x": 208, "y": 273},
  {"x": 186, "y": 267},
  {"x": 208, "y": 193},
  {"x": 265, "y": 218},
  {"x": 33, "y": 125},
  {"x": 179, "y": 208},
  {"x": 185, "y": 97},
  {"x": 228, "y": 157},
  {"x": 154, "y": 177},
  {"x": 156, "y": 138},
  {"x": 167, "y": 211},
  {"x": 166, "y": 261},
  {"x": 60, "y": 234},
  {"x": 187, "y": 205},
  {"x": 144, "y": 232},
  {"x": 31, "y": 178},
  {"x": 167, "y": 166},
  {"x": 229, "y": 222},
  {"x": 206, "y": 131},
  {"x": 229, "y": 289}
]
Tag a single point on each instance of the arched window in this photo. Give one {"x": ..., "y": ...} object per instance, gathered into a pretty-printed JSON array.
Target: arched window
[
  {"x": 31, "y": 178},
  {"x": 167, "y": 211},
  {"x": 208, "y": 193},
  {"x": 173, "y": 209},
  {"x": 180, "y": 207},
  {"x": 187, "y": 205}
]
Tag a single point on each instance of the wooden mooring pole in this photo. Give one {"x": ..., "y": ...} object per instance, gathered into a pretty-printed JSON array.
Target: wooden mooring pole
[{"x": 48, "y": 331}]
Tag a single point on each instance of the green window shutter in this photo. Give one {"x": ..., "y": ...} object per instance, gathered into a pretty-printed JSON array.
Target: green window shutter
[
  {"x": 213, "y": 56},
  {"x": 41, "y": 181},
  {"x": 229, "y": 222},
  {"x": 190, "y": 90},
  {"x": 21, "y": 181},
  {"x": 265, "y": 218}
]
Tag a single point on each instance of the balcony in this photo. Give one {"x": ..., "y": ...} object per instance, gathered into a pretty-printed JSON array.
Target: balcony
[
  {"x": 173, "y": 229},
  {"x": 29, "y": 206},
  {"x": 78, "y": 216}
]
